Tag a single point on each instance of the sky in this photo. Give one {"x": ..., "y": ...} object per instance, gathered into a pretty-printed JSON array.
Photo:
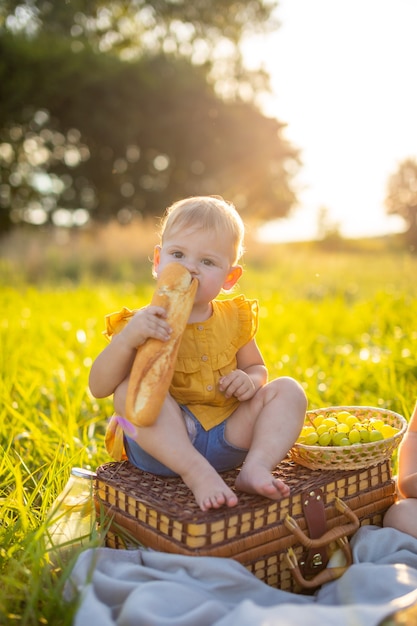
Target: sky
[{"x": 343, "y": 75}]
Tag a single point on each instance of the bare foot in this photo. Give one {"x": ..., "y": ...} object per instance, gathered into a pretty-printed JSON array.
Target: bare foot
[
  {"x": 210, "y": 490},
  {"x": 259, "y": 479}
]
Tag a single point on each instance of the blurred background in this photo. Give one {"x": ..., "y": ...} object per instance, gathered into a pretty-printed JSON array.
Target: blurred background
[{"x": 110, "y": 111}]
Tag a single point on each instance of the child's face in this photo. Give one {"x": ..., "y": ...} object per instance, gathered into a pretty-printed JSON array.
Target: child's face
[{"x": 206, "y": 255}]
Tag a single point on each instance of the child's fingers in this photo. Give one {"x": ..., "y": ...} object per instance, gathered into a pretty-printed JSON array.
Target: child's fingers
[
  {"x": 156, "y": 310},
  {"x": 230, "y": 384},
  {"x": 150, "y": 322}
]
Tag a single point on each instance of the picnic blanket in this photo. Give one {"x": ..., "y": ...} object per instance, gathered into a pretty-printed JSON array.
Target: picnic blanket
[{"x": 149, "y": 588}]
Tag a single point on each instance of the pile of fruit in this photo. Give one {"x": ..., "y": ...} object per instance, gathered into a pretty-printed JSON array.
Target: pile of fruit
[{"x": 342, "y": 428}]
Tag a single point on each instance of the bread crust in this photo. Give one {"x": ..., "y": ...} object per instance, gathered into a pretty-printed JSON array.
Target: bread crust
[{"x": 153, "y": 367}]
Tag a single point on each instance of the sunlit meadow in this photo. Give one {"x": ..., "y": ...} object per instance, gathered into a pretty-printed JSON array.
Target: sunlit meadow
[{"x": 342, "y": 323}]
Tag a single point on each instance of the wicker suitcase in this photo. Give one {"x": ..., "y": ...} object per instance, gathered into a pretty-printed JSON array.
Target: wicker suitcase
[{"x": 285, "y": 543}]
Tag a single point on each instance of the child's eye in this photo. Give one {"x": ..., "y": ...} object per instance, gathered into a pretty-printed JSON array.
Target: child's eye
[
  {"x": 177, "y": 254},
  {"x": 207, "y": 262}
]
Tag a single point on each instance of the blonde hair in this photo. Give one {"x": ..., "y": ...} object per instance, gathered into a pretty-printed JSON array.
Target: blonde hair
[{"x": 206, "y": 213}]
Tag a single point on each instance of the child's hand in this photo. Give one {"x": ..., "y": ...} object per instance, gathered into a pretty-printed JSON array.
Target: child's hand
[
  {"x": 237, "y": 384},
  {"x": 147, "y": 322}
]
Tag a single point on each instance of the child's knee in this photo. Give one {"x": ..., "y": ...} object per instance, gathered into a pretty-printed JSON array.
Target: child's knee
[
  {"x": 287, "y": 391},
  {"x": 291, "y": 388}
]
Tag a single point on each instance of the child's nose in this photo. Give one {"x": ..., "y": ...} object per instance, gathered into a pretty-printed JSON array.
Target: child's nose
[{"x": 191, "y": 267}]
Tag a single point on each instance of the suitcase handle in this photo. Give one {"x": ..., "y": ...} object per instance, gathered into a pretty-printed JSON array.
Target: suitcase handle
[
  {"x": 326, "y": 575},
  {"x": 337, "y": 534},
  {"x": 331, "y": 535}
]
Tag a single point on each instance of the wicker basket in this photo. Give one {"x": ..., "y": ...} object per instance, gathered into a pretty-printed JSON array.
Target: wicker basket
[
  {"x": 354, "y": 456},
  {"x": 136, "y": 508}
]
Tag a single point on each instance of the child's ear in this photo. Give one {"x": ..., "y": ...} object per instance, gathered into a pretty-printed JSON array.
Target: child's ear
[
  {"x": 233, "y": 276},
  {"x": 156, "y": 258}
]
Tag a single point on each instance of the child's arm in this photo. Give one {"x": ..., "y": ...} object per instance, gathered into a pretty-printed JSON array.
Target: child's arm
[
  {"x": 114, "y": 363},
  {"x": 407, "y": 460},
  {"x": 408, "y": 486},
  {"x": 250, "y": 375}
]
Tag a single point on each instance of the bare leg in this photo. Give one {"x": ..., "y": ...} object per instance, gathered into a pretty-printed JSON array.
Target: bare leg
[
  {"x": 167, "y": 441},
  {"x": 403, "y": 516},
  {"x": 403, "y": 513},
  {"x": 407, "y": 460},
  {"x": 268, "y": 425}
]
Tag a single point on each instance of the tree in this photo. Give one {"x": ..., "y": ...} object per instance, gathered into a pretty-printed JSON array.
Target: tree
[
  {"x": 401, "y": 198},
  {"x": 203, "y": 31},
  {"x": 86, "y": 132}
]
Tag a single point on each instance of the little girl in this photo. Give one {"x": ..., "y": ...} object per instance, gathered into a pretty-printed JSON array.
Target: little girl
[
  {"x": 220, "y": 412},
  {"x": 403, "y": 514}
]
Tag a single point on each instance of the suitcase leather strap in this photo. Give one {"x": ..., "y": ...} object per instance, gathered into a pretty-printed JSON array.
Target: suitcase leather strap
[
  {"x": 314, "y": 559},
  {"x": 314, "y": 545}
]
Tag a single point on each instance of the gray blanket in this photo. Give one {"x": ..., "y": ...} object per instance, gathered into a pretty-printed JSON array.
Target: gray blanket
[{"x": 147, "y": 588}]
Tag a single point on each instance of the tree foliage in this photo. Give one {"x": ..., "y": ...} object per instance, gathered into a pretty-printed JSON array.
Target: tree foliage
[
  {"x": 204, "y": 31},
  {"x": 127, "y": 22},
  {"x": 401, "y": 198},
  {"x": 84, "y": 131}
]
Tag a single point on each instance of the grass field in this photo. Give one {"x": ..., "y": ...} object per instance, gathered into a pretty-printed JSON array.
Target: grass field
[{"x": 343, "y": 324}]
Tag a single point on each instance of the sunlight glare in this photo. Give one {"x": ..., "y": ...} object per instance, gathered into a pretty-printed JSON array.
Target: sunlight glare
[{"x": 341, "y": 77}]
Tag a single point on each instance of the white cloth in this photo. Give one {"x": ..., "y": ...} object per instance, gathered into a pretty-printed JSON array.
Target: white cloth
[{"x": 147, "y": 588}]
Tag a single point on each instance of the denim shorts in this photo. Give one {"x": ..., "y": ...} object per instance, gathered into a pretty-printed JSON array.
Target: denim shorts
[{"x": 211, "y": 444}]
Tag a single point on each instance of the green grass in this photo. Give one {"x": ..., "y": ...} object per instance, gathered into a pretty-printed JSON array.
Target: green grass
[{"x": 343, "y": 324}]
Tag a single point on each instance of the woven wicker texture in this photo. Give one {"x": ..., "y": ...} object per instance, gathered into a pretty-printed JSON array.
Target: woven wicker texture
[
  {"x": 137, "y": 508},
  {"x": 355, "y": 456},
  {"x": 168, "y": 506}
]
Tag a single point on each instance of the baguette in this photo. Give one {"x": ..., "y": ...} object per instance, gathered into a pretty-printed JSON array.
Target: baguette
[{"x": 153, "y": 367}]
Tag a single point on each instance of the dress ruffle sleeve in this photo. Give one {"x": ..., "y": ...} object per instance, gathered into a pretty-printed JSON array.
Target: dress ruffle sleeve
[
  {"x": 115, "y": 322},
  {"x": 248, "y": 316}
]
